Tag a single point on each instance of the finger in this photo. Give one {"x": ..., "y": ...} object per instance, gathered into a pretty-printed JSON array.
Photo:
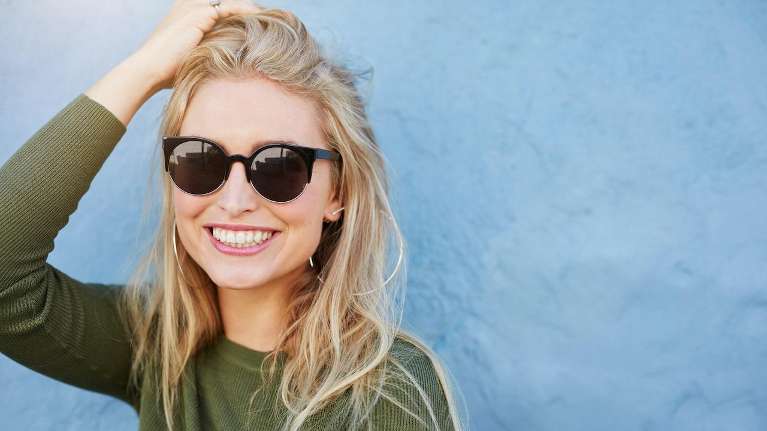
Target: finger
[{"x": 233, "y": 7}]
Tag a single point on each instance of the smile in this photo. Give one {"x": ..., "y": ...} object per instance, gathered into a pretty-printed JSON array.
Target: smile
[{"x": 248, "y": 243}]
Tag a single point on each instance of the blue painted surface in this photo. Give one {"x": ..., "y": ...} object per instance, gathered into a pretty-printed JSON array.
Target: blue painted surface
[{"x": 583, "y": 186}]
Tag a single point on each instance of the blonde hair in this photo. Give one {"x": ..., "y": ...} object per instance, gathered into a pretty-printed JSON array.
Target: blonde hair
[{"x": 340, "y": 333}]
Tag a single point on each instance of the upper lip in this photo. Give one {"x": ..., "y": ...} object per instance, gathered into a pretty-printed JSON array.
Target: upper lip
[{"x": 239, "y": 227}]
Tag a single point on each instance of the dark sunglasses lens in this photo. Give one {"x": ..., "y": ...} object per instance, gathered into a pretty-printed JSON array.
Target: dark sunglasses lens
[
  {"x": 279, "y": 174},
  {"x": 197, "y": 167}
]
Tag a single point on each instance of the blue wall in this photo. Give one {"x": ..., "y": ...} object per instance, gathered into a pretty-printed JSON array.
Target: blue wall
[{"x": 583, "y": 186}]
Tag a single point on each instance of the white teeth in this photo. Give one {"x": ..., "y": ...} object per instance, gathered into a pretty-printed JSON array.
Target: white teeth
[{"x": 240, "y": 238}]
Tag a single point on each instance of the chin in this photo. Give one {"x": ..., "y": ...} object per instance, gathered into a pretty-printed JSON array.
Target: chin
[{"x": 247, "y": 280}]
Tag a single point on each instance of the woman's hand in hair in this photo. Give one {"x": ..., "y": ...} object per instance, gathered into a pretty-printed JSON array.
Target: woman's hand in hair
[
  {"x": 180, "y": 31},
  {"x": 153, "y": 66}
]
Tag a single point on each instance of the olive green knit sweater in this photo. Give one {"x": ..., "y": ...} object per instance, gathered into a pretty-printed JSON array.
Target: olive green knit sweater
[{"x": 70, "y": 330}]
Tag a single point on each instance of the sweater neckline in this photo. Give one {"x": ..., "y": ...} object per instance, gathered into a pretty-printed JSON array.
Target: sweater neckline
[{"x": 242, "y": 355}]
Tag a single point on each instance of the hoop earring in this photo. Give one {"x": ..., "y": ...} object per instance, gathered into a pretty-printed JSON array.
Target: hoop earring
[
  {"x": 175, "y": 252},
  {"x": 311, "y": 263}
]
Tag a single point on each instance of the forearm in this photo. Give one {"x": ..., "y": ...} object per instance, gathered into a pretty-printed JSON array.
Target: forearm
[{"x": 125, "y": 88}]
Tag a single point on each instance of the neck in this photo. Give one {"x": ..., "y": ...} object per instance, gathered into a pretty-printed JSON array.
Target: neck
[{"x": 255, "y": 317}]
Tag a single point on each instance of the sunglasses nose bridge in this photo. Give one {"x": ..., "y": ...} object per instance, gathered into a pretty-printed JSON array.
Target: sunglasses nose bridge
[
  {"x": 238, "y": 158},
  {"x": 234, "y": 197}
]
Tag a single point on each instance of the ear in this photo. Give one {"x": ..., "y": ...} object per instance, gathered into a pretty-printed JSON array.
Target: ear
[{"x": 333, "y": 209}]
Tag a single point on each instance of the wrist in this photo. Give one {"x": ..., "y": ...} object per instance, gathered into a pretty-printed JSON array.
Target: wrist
[
  {"x": 125, "y": 88},
  {"x": 143, "y": 78}
]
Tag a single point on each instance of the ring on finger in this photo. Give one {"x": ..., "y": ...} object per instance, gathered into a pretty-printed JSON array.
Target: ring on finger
[{"x": 216, "y": 4}]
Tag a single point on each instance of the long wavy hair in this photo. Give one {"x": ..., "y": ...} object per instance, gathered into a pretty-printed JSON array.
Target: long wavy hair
[{"x": 340, "y": 329}]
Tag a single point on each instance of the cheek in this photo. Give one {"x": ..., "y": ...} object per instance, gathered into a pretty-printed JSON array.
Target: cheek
[
  {"x": 188, "y": 210},
  {"x": 303, "y": 218},
  {"x": 186, "y": 206}
]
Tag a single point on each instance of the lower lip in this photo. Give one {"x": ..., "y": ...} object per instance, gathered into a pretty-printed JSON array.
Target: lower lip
[{"x": 243, "y": 251}]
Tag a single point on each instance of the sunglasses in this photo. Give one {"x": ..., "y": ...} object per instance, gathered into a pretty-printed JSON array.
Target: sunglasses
[{"x": 278, "y": 171}]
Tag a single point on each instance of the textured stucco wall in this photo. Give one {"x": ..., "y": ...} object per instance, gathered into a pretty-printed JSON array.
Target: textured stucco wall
[{"x": 582, "y": 184}]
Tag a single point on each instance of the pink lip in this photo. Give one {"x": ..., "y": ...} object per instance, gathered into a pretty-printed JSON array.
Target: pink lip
[{"x": 244, "y": 251}]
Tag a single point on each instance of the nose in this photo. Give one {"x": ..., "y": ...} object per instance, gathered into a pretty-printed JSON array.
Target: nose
[{"x": 237, "y": 195}]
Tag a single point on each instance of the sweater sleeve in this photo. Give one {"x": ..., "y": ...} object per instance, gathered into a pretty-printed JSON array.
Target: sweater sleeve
[
  {"x": 49, "y": 322},
  {"x": 405, "y": 406}
]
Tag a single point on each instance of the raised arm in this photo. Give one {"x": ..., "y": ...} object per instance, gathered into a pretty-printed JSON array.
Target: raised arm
[{"x": 50, "y": 322}]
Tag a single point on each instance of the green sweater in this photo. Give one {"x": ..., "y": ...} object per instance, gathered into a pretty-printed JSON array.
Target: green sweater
[{"x": 70, "y": 331}]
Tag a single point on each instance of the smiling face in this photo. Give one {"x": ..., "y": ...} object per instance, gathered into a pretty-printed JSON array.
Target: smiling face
[{"x": 241, "y": 115}]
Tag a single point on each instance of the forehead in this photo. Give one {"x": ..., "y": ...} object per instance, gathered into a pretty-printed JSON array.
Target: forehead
[{"x": 244, "y": 114}]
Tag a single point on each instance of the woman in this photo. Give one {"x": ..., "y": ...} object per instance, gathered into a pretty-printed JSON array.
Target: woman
[{"x": 270, "y": 305}]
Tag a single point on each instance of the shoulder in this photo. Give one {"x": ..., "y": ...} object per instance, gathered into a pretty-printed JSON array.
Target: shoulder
[
  {"x": 414, "y": 396},
  {"x": 414, "y": 357}
]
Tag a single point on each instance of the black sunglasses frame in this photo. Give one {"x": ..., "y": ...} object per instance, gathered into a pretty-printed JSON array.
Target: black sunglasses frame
[{"x": 308, "y": 154}]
